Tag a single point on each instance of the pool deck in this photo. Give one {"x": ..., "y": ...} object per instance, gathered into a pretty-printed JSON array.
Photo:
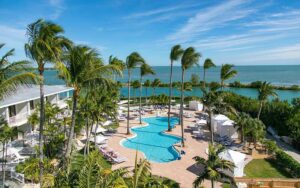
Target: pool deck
[{"x": 179, "y": 170}]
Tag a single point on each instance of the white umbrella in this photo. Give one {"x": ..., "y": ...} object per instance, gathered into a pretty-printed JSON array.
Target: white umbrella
[
  {"x": 99, "y": 129},
  {"x": 99, "y": 139},
  {"x": 107, "y": 123},
  {"x": 237, "y": 158},
  {"x": 228, "y": 123}
]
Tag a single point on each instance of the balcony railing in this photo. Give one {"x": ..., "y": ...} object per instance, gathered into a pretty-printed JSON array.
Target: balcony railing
[{"x": 19, "y": 118}]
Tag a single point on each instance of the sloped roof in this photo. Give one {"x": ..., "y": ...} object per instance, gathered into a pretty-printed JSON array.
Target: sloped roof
[
  {"x": 228, "y": 123},
  {"x": 233, "y": 156},
  {"x": 221, "y": 117},
  {"x": 32, "y": 92}
]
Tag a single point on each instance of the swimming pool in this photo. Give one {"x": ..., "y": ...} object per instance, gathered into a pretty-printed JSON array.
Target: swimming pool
[{"x": 156, "y": 145}]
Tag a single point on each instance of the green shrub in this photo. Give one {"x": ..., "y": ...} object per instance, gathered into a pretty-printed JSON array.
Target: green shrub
[{"x": 290, "y": 164}]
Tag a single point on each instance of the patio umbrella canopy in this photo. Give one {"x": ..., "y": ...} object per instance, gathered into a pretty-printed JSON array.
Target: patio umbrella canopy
[
  {"x": 237, "y": 158},
  {"x": 217, "y": 120},
  {"x": 99, "y": 139},
  {"x": 99, "y": 129},
  {"x": 227, "y": 129}
]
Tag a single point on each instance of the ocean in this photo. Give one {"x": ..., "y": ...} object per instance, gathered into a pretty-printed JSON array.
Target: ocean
[{"x": 284, "y": 75}]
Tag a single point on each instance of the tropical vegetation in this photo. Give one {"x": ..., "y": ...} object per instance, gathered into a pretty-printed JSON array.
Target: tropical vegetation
[
  {"x": 176, "y": 53},
  {"x": 45, "y": 44},
  {"x": 132, "y": 61},
  {"x": 94, "y": 100},
  {"x": 215, "y": 168},
  {"x": 189, "y": 59}
]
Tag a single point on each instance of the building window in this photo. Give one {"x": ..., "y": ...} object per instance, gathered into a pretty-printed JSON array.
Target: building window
[
  {"x": 31, "y": 105},
  {"x": 12, "y": 111},
  {"x": 63, "y": 95}
]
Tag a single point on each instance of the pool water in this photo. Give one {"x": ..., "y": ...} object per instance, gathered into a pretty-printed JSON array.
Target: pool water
[{"x": 156, "y": 145}]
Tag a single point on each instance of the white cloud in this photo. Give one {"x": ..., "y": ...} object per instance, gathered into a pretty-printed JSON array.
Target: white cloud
[
  {"x": 160, "y": 11},
  {"x": 211, "y": 18},
  {"x": 278, "y": 54},
  {"x": 58, "y": 8},
  {"x": 234, "y": 41},
  {"x": 56, "y": 3},
  {"x": 12, "y": 37}
]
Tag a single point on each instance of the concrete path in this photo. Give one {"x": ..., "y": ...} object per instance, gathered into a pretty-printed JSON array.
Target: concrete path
[{"x": 287, "y": 148}]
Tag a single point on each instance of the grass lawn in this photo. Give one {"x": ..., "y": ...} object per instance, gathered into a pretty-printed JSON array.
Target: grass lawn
[{"x": 264, "y": 168}]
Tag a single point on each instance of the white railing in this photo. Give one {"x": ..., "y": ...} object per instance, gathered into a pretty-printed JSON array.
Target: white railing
[
  {"x": 13, "y": 174},
  {"x": 61, "y": 103},
  {"x": 17, "y": 176}
]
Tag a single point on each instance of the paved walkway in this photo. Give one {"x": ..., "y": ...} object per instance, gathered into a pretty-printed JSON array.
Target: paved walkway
[
  {"x": 287, "y": 148},
  {"x": 182, "y": 171}
]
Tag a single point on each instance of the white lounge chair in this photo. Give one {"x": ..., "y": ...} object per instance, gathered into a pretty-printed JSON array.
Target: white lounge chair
[{"x": 99, "y": 139}]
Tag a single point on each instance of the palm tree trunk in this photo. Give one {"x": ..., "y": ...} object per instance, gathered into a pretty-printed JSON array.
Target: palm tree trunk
[
  {"x": 146, "y": 94},
  {"x": 212, "y": 184},
  {"x": 211, "y": 126},
  {"x": 128, "y": 106},
  {"x": 170, "y": 98},
  {"x": 242, "y": 134},
  {"x": 42, "y": 121},
  {"x": 222, "y": 83},
  {"x": 204, "y": 84},
  {"x": 140, "y": 107},
  {"x": 87, "y": 135},
  {"x": 95, "y": 133},
  {"x": 260, "y": 108},
  {"x": 181, "y": 107},
  {"x": 71, "y": 133},
  {"x": 88, "y": 142},
  {"x": 3, "y": 164}
]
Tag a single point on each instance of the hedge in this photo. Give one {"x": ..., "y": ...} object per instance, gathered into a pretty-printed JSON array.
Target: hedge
[{"x": 288, "y": 162}]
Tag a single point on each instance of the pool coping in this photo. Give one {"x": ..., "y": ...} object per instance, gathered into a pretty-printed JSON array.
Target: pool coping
[{"x": 145, "y": 125}]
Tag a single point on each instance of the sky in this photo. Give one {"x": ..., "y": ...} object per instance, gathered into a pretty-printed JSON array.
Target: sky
[{"x": 240, "y": 32}]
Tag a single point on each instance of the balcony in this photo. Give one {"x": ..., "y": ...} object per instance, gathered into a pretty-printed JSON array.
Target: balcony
[
  {"x": 61, "y": 104},
  {"x": 18, "y": 120}
]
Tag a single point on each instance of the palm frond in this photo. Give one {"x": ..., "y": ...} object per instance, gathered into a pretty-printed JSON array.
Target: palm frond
[
  {"x": 10, "y": 85},
  {"x": 176, "y": 52},
  {"x": 208, "y": 63}
]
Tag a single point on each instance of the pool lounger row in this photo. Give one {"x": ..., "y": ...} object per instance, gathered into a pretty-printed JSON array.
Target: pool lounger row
[{"x": 111, "y": 155}]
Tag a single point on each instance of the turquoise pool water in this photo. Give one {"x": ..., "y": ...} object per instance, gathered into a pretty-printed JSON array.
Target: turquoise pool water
[{"x": 157, "y": 146}]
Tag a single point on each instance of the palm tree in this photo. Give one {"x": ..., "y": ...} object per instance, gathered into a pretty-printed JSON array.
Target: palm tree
[
  {"x": 141, "y": 171},
  {"x": 189, "y": 58},
  {"x": 155, "y": 83},
  {"x": 214, "y": 167},
  {"x": 33, "y": 120},
  {"x": 264, "y": 92},
  {"x": 82, "y": 68},
  {"x": 208, "y": 63},
  {"x": 135, "y": 85},
  {"x": 241, "y": 123},
  {"x": 209, "y": 98},
  {"x": 227, "y": 73},
  {"x": 255, "y": 129},
  {"x": 45, "y": 44},
  {"x": 132, "y": 61},
  {"x": 116, "y": 62},
  {"x": 14, "y": 74},
  {"x": 147, "y": 84},
  {"x": 175, "y": 54},
  {"x": 6, "y": 134},
  {"x": 145, "y": 70}
]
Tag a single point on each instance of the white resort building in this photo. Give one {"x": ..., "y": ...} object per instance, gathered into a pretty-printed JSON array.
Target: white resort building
[{"x": 17, "y": 107}]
